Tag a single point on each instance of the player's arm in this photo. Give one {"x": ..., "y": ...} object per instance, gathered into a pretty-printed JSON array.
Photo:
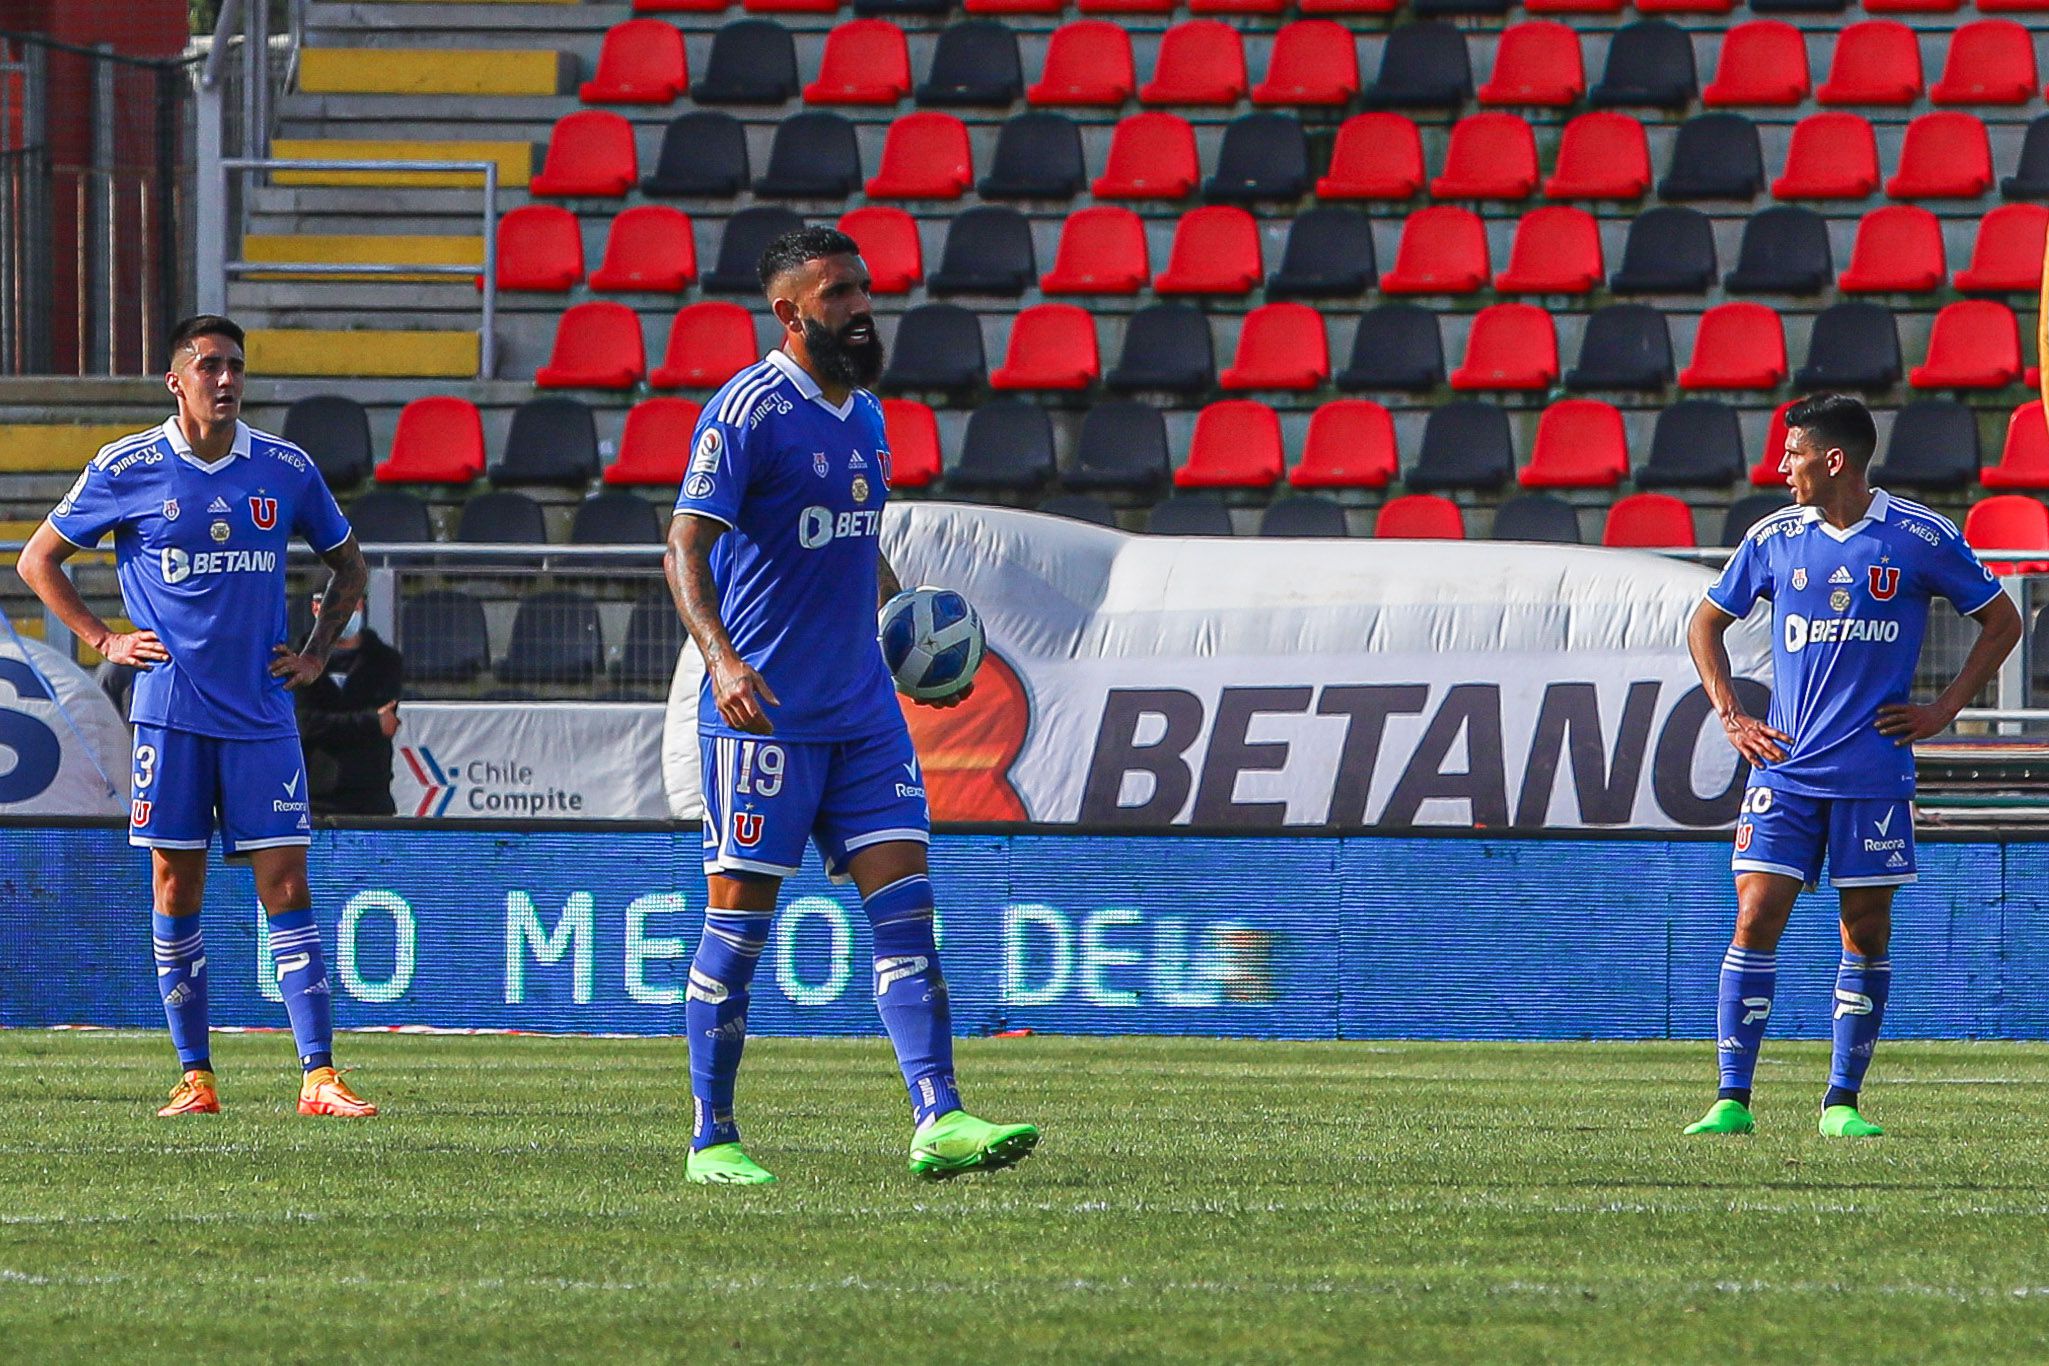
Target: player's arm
[
  {"x": 1999, "y": 630},
  {"x": 737, "y": 688},
  {"x": 42, "y": 568},
  {"x": 348, "y": 576},
  {"x": 1753, "y": 739}
]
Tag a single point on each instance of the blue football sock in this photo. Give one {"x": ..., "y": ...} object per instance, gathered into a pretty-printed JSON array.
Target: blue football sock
[
  {"x": 1862, "y": 985},
  {"x": 910, "y": 993},
  {"x": 302, "y": 981},
  {"x": 715, "y": 1012},
  {"x": 181, "y": 981},
  {"x": 1742, "y": 1010}
]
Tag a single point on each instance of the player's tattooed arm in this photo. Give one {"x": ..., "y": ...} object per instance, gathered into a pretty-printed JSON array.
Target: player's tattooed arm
[
  {"x": 887, "y": 583},
  {"x": 737, "y": 688},
  {"x": 2000, "y": 629},
  {"x": 1752, "y": 738},
  {"x": 42, "y": 568},
  {"x": 348, "y": 575}
]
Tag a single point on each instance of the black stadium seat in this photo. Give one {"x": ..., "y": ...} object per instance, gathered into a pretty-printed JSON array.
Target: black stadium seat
[
  {"x": 988, "y": 251},
  {"x": 753, "y": 61},
  {"x": 555, "y": 639},
  {"x": 1747, "y": 512},
  {"x": 1167, "y": 347},
  {"x": 1697, "y": 443},
  {"x": 2030, "y": 178},
  {"x": 335, "y": 431},
  {"x": 814, "y": 156},
  {"x": 441, "y": 633},
  {"x": 1785, "y": 251},
  {"x": 390, "y": 517},
  {"x": 1650, "y": 65},
  {"x": 1008, "y": 445},
  {"x": 1715, "y": 156},
  {"x": 1670, "y": 250},
  {"x": 552, "y": 441},
  {"x": 889, "y": 9},
  {"x": 616, "y": 517},
  {"x": 704, "y": 154},
  {"x": 974, "y": 65},
  {"x": 1536, "y": 517},
  {"x": 654, "y": 638},
  {"x": 1396, "y": 347},
  {"x": 1263, "y": 156},
  {"x": 1189, "y": 514},
  {"x": 1934, "y": 445},
  {"x": 1329, "y": 255},
  {"x": 1855, "y": 345},
  {"x": 1626, "y": 346},
  {"x": 938, "y": 348},
  {"x": 501, "y": 518},
  {"x": 1080, "y": 507},
  {"x": 747, "y": 235},
  {"x": 1465, "y": 446},
  {"x": 1038, "y": 156},
  {"x": 1123, "y": 445},
  {"x": 1300, "y": 516},
  {"x": 1422, "y": 66}
]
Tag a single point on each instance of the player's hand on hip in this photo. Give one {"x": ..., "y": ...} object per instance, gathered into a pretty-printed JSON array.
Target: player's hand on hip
[
  {"x": 1907, "y": 722},
  {"x": 950, "y": 700},
  {"x": 297, "y": 670},
  {"x": 740, "y": 692},
  {"x": 1754, "y": 740},
  {"x": 137, "y": 649}
]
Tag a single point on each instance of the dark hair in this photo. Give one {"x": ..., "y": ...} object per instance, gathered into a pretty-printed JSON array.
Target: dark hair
[
  {"x": 1836, "y": 420},
  {"x": 795, "y": 247},
  {"x": 203, "y": 325}
]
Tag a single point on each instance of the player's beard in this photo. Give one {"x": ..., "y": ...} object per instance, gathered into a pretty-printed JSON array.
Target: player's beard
[{"x": 858, "y": 365}]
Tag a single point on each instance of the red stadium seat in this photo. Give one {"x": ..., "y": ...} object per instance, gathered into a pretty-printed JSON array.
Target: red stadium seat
[
  {"x": 1237, "y": 445},
  {"x": 597, "y": 346},
  {"x": 540, "y": 248},
  {"x": 439, "y": 440},
  {"x": 1991, "y": 61},
  {"x": 1350, "y": 446},
  {"x": 1155, "y": 7},
  {"x": 655, "y": 444},
  {"x": 865, "y": 62},
  {"x": 889, "y": 244},
  {"x": 1830, "y": 156},
  {"x": 1684, "y": 6},
  {"x": 1375, "y": 156},
  {"x": 650, "y": 247},
  {"x": 1765, "y": 473},
  {"x": 1492, "y": 156},
  {"x": 1510, "y": 347},
  {"x": 1557, "y": 250},
  {"x": 2009, "y": 521},
  {"x": 1088, "y": 64},
  {"x": 590, "y": 155},
  {"x": 924, "y": 156},
  {"x": 1052, "y": 346},
  {"x": 1537, "y": 63},
  {"x": 791, "y": 6},
  {"x": 1975, "y": 344},
  {"x": 1443, "y": 250},
  {"x": 1580, "y": 444},
  {"x": 1738, "y": 346},
  {"x": 709, "y": 343},
  {"x": 1215, "y": 251},
  {"x": 1763, "y": 64},
  {"x": 913, "y": 433},
  {"x": 1573, "y": 7},
  {"x": 1347, "y": 6},
  {"x": 1913, "y": 6},
  {"x": 1201, "y": 62},
  {"x": 2007, "y": 256},
  {"x": 1251, "y": 9},
  {"x": 1004, "y": 8},
  {"x": 2024, "y": 460},
  {"x": 1314, "y": 64},
  {"x": 1419, "y": 517},
  {"x": 2013, "y": 6},
  {"x": 1102, "y": 251},
  {"x": 1601, "y": 155},
  {"x": 1152, "y": 156},
  {"x": 1280, "y": 346},
  {"x": 642, "y": 62},
  {"x": 1898, "y": 251},
  {"x": 1649, "y": 521},
  {"x": 1876, "y": 62},
  {"x": 1943, "y": 156}
]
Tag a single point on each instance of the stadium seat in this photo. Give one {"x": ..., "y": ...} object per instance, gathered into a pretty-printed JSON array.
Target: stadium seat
[
  {"x": 552, "y": 441},
  {"x": 747, "y": 234},
  {"x": 1854, "y": 345},
  {"x": 1580, "y": 444},
  {"x": 1038, "y": 156},
  {"x": 1465, "y": 446},
  {"x": 1443, "y": 250},
  {"x": 1492, "y": 156},
  {"x": 1649, "y": 521},
  {"x": 1462, "y": 9},
  {"x": 924, "y": 156},
  {"x": 1328, "y": 255},
  {"x": 443, "y": 633},
  {"x": 1052, "y": 346},
  {"x": 1625, "y": 346},
  {"x": 651, "y": 247},
  {"x": 654, "y": 639},
  {"x": 597, "y": 346},
  {"x": 1422, "y": 66},
  {"x": 1167, "y": 348},
  {"x": 1088, "y": 64},
  {"x": 1913, "y": 6},
  {"x": 1975, "y": 344},
  {"x": 1669, "y": 250},
  {"x": 1396, "y": 347},
  {"x": 655, "y": 443},
  {"x": 2007, "y": 256},
  {"x": 1157, "y": 8},
  {"x": 1609, "y": 8},
  {"x": 1765, "y": 474},
  {"x": 501, "y": 518},
  {"x": 1380, "y": 7},
  {"x": 335, "y": 431},
  {"x": 1537, "y": 64},
  {"x": 1990, "y": 61},
  {"x": 680, "y": 6},
  {"x": 791, "y": 6},
  {"x": 555, "y": 639},
  {"x": 1152, "y": 156},
  {"x": 988, "y": 251},
  {"x": 938, "y": 348},
  {"x": 752, "y": 61},
  {"x": 540, "y": 249},
  {"x": 1877, "y": 62},
  {"x": 641, "y": 62},
  {"x": 1375, "y": 156},
  {"x": 590, "y": 156},
  {"x": 1122, "y": 445},
  {"x": 2024, "y": 457},
  {"x": 1697, "y": 443},
  {"x": 709, "y": 343},
  {"x": 704, "y": 155},
  {"x": 1763, "y": 64},
  {"x": 1256, "y": 9},
  {"x": 1314, "y": 63},
  {"x": 1943, "y": 156},
  {"x": 1215, "y": 251},
  {"x": 1008, "y": 445},
  {"x": 1747, "y": 512},
  {"x": 1784, "y": 251},
  {"x": 1350, "y": 445},
  {"x": 974, "y": 65},
  {"x": 1738, "y": 346},
  {"x": 1280, "y": 346},
  {"x": 1601, "y": 156},
  {"x": 1716, "y": 156},
  {"x": 912, "y": 430},
  {"x": 889, "y": 243},
  {"x": 1831, "y": 156},
  {"x": 1541, "y": 517},
  {"x": 1510, "y": 347},
  {"x": 1200, "y": 62},
  {"x": 1189, "y": 514},
  {"x": 2030, "y": 178},
  {"x": 1419, "y": 517},
  {"x": 1650, "y": 65},
  {"x": 1236, "y": 445},
  {"x": 814, "y": 156},
  {"x": 390, "y": 517},
  {"x": 1933, "y": 446},
  {"x": 1102, "y": 251},
  {"x": 1557, "y": 250},
  {"x": 1685, "y": 6},
  {"x": 1080, "y": 507},
  {"x": 865, "y": 63},
  {"x": 1263, "y": 157},
  {"x": 2009, "y": 521},
  {"x": 1898, "y": 251},
  {"x": 903, "y": 9},
  {"x": 1300, "y": 517}
]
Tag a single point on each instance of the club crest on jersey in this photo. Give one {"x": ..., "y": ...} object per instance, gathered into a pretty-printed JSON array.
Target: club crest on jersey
[
  {"x": 263, "y": 512},
  {"x": 170, "y": 509},
  {"x": 1885, "y": 581},
  {"x": 1799, "y": 577},
  {"x": 138, "y": 812},
  {"x": 746, "y": 829},
  {"x": 1839, "y": 601},
  {"x": 220, "y": 531},
  {"x": 860, "y": 488},
  {"x": 1743, "y": 831},
  {"x": 820, "y": 466}
]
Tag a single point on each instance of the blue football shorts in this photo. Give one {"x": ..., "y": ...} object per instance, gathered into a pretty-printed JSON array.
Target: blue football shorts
[
  {"x": 183, "y": 781},
  {"x": 763, "y": 798},
  {"x": 1868, "y": 841}
]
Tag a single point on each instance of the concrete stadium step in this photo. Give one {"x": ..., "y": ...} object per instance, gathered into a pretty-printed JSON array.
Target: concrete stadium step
[
  {"x": 485, "y": 23},
  {"x": 49, "y": 447},
  {"x": 443, "y": 72},
  {"x": 358, "y": 249},
  {"x": 345, "y": 354},
  {"x": 515, "y": 161}
]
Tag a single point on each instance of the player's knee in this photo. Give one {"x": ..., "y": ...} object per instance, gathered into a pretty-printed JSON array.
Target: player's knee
[
  {"x": 281, "y": 892},
  {"x": 178, "y": 895}
]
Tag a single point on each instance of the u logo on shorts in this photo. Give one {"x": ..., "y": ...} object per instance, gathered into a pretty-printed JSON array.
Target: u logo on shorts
[{"x": 746, "y": 829}]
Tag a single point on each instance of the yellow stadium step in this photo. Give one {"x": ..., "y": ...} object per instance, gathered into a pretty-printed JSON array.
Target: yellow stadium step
[
  {"x": 431, "y": 355},
  {"x": 515, "y": 161},
  {"x": 14, "y": 529},
  {"x": 387, "y": 71},
  {"x": 358, "y": 250},
  {"x": 58, "y": 448}
]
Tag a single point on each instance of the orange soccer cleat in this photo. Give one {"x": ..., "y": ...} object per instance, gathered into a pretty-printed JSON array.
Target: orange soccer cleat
[
  {"x": 193, "y": 1095},
  {"x": 325, "y": 1093}
]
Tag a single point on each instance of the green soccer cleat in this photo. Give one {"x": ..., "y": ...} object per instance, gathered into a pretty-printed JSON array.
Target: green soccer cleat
[
  {"x": 1843, "y": 1121},
  {"x": 1724, "y": 1117},
  {"x": 726, "y": 1164},
  {"x": 957, "y": 1142}
]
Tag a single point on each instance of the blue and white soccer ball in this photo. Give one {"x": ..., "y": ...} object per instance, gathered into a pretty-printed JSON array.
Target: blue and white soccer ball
[{"x": 932, "y": 642}]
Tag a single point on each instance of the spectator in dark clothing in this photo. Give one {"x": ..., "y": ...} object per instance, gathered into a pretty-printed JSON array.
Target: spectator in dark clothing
[{"x": 347, "y": 717}]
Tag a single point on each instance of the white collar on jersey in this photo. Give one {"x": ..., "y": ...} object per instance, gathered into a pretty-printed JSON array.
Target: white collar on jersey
[
  {"x": 808, "y": 386},
  {"x": 176, "y": 436},
  {"x": 1881, "y": 504}
]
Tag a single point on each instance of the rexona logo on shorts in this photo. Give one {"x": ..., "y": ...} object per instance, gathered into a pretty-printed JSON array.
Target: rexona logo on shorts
[{"x": 180, "y": 565}]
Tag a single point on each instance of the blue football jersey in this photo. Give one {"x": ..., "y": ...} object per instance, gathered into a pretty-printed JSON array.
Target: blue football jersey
[
  {"x": 1848, "y": 612},
  {"x": 802, "y": 484},
  {"x": 200, "y": 553}
]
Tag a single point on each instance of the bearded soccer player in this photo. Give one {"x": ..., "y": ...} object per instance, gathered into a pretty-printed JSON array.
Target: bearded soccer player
[
  {"x": 1849, "y": 571},
  {"x": 775, "y": 560},
  {"x": 202, "y": 510}
]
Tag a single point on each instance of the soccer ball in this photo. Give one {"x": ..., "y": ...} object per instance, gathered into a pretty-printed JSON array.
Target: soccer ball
[{"x": 932, "y": 642}]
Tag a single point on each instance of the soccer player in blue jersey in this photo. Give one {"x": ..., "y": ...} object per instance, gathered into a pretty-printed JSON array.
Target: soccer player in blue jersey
[
  {"x": 774, "y": 557},
  {"x": 1849, "y": 571},
  {"x": 202, "y": 510}
]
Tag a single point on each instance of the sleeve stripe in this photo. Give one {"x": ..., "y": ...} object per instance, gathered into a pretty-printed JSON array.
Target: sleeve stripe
[
  {"x": 51, "y": 523},
  {"x": 708, "y": 516},
  {"x": 746, "y": 390}
]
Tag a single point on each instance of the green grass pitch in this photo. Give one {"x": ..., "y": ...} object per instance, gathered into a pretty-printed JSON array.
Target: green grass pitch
[{"x": 522, "y": 1199}]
